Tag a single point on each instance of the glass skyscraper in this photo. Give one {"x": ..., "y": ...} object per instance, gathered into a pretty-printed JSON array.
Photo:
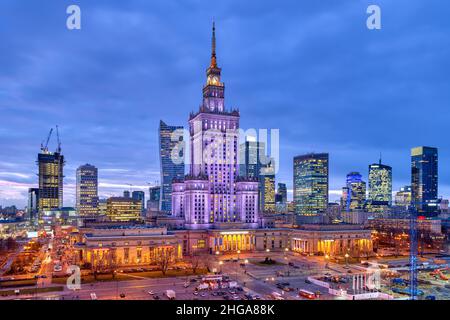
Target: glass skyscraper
[
  {"x": 354, "y": 193},
  {"x": 380, "y": 187},
  {"x": 171, "y": 160},
  {"x": 311, "y": 186},
  {"x": 424, "y": 180},
  {"x": 139, "y": 195},
  {"x": 267, "y": 188},
  {"x": 87, "y": 190}
]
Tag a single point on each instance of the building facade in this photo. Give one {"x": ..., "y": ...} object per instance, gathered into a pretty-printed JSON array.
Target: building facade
[
  {"x": 380, "y": 187},
  {"x": 311, "y": 186},
  {"x": 87, "y": 190},
  {"x": 424, "y": 180},
  {"x": 171, "y": 155},
  {"x": 33, "y": 204},
  {"x": 140, "y": 196},
  {"x": 122, "y": 209}
]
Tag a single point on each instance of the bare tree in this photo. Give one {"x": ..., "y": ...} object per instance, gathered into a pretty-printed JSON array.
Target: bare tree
[{"x": 164, "y": 259}]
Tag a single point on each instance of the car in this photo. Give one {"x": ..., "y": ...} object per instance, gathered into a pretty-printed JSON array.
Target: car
[
  {"x": 193, "y": 280},
  {"x": 155, "y": 297},
  {"x": 430, "y": 297},
  {"x": 151, "y": 292},
  {"x": 308, "y": 281},
  {"x": 236, "y": 297},
  {"x": 226, "y": 297},
  {"x": 203, "y": 294},
  {"x": 122, "y": 295},
  {"x": 257, "y": 297},
  {"x": 349, "y": 271}
]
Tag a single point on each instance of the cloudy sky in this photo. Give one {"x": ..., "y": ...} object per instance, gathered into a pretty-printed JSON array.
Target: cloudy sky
[{"x": 309, "y": 68}]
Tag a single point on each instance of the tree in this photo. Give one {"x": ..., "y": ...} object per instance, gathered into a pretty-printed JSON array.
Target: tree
[{"x": 164, "y": 259}]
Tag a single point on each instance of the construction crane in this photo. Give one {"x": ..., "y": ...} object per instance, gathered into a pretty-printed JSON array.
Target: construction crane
[
  {"x": 44, "y": 148},
  {"x": 413, "y": 253},
  {"x": 59, "y": 142}
]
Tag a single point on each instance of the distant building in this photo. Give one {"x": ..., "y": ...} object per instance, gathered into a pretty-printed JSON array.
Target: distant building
[
  {"x": 380, "y": 187},
  {"x": 355, "y": 217},
  {"x": 87, "y": 190},
  {"x": 102, "y": 206},
  {"x": 51, "y": 176},
  {"x": 424, "y": 180},
  {"x": 126, "y": 194},
  {"x": 281, "y": 198},
  {"x": 354, "y": 193},
  {"x": 140, "y": 195},
  {"x": 311, "y": 186},
  {"x": 123, "y": 209},
  {"x": 267, "y": 188},
  {"x": 153, "y": 202},
  {"x": 170, "y": 140},
  {"x": 403, "y": 197},
  {"x": 252, "y": 157},
  {"x": 33, "y": 204}
]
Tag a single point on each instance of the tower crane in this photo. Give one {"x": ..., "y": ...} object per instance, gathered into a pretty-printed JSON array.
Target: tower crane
[{"x": 44, "y": 148}]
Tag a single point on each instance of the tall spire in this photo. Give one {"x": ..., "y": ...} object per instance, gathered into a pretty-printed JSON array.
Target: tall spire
[{"x": 213, "y": 46}]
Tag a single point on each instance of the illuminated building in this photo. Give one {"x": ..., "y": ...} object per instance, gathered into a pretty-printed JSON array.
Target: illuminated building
[
  {"x": 123, "y": 209},
  {"x": 354, "y": 194},
  {"x": 403, "y": 197},
  {"x": 380, "y": 187},
  {"x": 33, "y": 203},
  {"x": 171, "y": 156},
  {"x": 102, "y": 206},
  {"x": 212, "y": 194},
  {"x": 311, "y": 186},
  {"x": 267, "y": 188},
  {"x": 106, "y": 247},
  {"x": 140, "y": 196},
  {"x": 51, "y": 176},
  {"x": 424, "y": 180},
  {"x": 87, "y": 190}
]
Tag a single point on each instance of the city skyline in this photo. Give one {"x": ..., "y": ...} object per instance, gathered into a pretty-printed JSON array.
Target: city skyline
[{"x": 126, "y": 151}]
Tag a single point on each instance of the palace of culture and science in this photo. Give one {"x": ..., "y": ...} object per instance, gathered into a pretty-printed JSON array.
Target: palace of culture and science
[{"x": 213, "y": 209}]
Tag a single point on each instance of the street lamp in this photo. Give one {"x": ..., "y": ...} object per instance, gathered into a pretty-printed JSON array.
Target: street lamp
[
  {"x": 346, "y": 259},
  {"x": 238, "y": 252},
  {"x": 327, "y": 257},
  {"x": 220, "y": 264}
]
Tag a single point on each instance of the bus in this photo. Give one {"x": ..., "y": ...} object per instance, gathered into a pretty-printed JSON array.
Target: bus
[{"x": 306, "y": 294}]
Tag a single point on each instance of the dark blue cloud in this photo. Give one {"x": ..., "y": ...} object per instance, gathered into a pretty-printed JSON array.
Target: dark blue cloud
[{"x": 310, "y": 68}]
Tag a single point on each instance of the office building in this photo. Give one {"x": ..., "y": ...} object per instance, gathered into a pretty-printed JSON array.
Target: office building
[
  {"x": 87, "y": 190},
  {"x": 380, "y": 187},
  {"x": 50, "y": 166},
  {"x": 311, "y": 186},
  {"x": 33, "y": 204},
  {"x": 122, "y": 209},
  {"x": 153, "y": 202},
  {"x": 140, "y": 196},
  {"x": 424, "y": 180},
  {"x": 171, "y": 155},
  {"x": 354, "y": 193}
]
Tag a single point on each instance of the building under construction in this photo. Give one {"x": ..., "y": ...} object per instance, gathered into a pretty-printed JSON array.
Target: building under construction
[{"x": 50, "y": 165}]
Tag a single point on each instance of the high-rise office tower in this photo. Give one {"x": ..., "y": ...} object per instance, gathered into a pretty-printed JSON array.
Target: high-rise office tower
[
  {"x": 424, "y": 180},
  {"x": 139, "y": 195},
  {"x": 213, "y": 192},
  {"x": 33, "y": 204},
  {"x": 354, "y": 194},
  {"x": 311, "y": 186},
  {"x": 51, "y": 176},
  {"x": 153, "y": 202},
  {"x": 171, "y": 159},
  {"x": 267, "y": 187},
  {"x": 126, "y": 194},
  {"x": 87, "y": 190},
  {"x": 380, "y": 187}
]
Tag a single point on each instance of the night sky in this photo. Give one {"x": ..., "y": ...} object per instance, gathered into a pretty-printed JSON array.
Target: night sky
[{"x": 309, "y": 68}]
